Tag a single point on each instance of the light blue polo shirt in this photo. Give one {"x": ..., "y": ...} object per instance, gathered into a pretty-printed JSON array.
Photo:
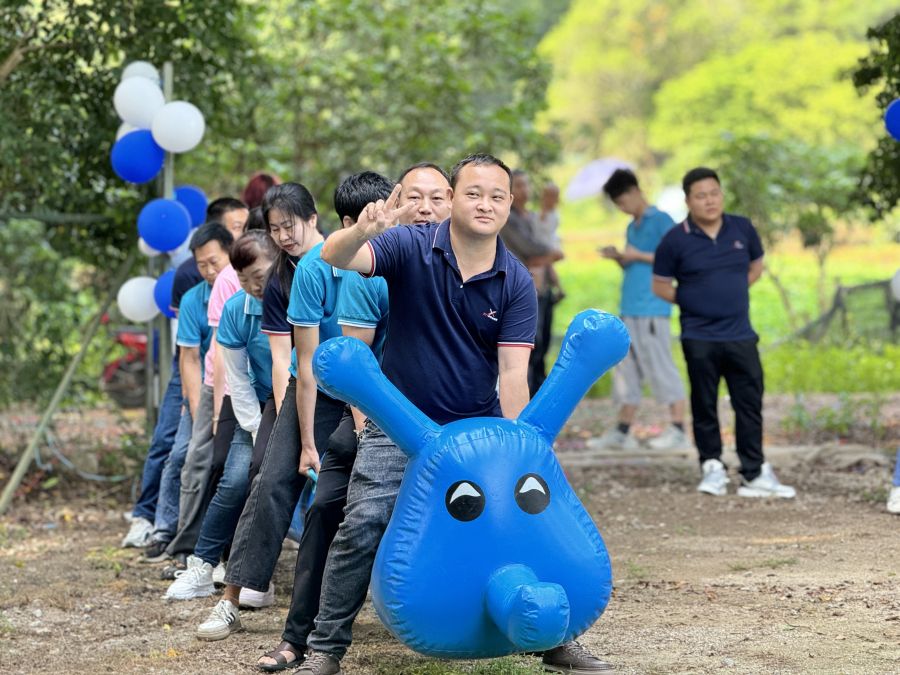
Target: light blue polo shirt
[
  {"x": 314, "y": 297},
  {"x": 364, "y": 304},
  {"x": 239, "y": 329},
  {"x": 637, "y": 294},
  {"x": 193, "y": 326}
]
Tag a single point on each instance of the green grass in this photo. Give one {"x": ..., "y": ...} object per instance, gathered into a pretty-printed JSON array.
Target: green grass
[
  {"x": 797, "y": 366},
  {"x": 769, "y": 564}
]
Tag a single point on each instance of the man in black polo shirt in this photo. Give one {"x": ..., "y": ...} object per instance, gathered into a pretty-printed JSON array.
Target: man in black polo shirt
[
  {"x": 715, "y": 257},
  {"x": 461, "y": 309}
]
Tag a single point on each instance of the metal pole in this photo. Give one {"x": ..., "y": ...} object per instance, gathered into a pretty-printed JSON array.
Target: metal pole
[
  {"x": 165, "y": 325},
  {"x": 28, "y": 455}
]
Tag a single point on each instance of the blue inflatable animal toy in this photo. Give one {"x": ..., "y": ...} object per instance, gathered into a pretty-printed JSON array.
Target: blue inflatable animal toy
[{"x": 488, "y": 552}]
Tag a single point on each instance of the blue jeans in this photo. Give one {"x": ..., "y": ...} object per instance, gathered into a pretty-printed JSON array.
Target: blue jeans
[
  {"x": 166, "y": 523},
  {"x": 160, "y": 447},
  {"x": 374, "y": 485},
  {"x": 224, "y": 510},
  {"x": 897, "y": 469}
]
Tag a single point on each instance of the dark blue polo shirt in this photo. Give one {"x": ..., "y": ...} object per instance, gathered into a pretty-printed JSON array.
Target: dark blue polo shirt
[
  {"x": 443, "y": 335},
  {"x": 275, "y": 304},
  {"x": 186, "y": 277},
  {"x": 713, "y": 292}
]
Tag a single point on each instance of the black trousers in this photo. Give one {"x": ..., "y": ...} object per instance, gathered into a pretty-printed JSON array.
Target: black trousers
[
  {"x": 323, "y": 518},
  {"x": 738, "y": 362},
  {"x": 262, "y": 436},
  {"x": 537, "y": 369}
]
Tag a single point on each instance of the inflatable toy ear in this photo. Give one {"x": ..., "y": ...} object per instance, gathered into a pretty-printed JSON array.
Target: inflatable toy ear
[
  {"x": 346, "y": 369},
  {"x": 594, "y": 343}
]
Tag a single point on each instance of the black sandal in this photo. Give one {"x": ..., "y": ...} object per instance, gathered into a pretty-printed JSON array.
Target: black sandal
[{"x": 281, "y": 663}]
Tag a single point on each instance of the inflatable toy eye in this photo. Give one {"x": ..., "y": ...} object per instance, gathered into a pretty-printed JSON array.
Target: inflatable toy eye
[
  {"x": 465, "y": 500},
  {"x": 532, "y": 493}
]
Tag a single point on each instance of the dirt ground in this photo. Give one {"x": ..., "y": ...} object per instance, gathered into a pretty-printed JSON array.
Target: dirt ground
[{"x": 701, "y": 584}]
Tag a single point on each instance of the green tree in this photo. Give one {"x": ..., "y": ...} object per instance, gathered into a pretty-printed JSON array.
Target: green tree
[
  {"x": 790, "y": 188},
  {"x": 356, "y": 84},
  {"x": 880, "y": 178},
  {"x": 60, "y": 62}
]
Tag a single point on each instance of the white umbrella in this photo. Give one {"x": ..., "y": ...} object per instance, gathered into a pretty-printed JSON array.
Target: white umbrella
[{"x": 589, "y": 181}]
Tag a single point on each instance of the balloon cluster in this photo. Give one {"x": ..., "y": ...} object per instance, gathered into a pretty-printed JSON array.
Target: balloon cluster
[{"x": 150, "y": 128}]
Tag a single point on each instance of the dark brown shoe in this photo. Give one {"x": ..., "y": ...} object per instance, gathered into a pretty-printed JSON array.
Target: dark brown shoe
[{"x": 575, "y": 659}]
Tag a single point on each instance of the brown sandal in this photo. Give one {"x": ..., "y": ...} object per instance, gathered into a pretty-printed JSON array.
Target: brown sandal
[{"x": 277, "y": 655}]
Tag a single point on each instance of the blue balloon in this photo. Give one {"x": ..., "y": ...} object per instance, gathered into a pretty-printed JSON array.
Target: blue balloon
[
  {"x": 162, "y": 293},
  {"x": 136, "y": 157},
  {"x": 488, "y": 551},
  {"x": 194, "y": 201},
  {"x": 892, "y": 119},
  {"x": 164, "y": 224}
]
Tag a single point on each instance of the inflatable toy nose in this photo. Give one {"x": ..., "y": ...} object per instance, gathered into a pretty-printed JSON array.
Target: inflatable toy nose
[{"x": 532, "y": 614}]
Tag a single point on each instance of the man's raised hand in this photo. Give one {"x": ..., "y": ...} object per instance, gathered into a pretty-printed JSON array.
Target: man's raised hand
[{"x": 382, "y": 215}]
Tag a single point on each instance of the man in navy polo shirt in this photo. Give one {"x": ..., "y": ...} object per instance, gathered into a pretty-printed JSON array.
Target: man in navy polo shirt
[
  {"x": 463, "y": 310},
  {"x": 715, "y": 257}
]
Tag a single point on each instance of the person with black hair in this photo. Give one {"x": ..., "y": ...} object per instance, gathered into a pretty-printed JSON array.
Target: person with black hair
[
  {"x": 714, "y": 257},
  {"x": 210, "y": 246},
  {"x": 362, "y": 313},
  {"x": 649, "y": 361},
  {"x": 231, "y": 212},
  {"x": 531, "y": 243},
  {"x": 291, "y": 216},
  {"x": 481, "y": 310},
  {"x": 247, "y": 361}
]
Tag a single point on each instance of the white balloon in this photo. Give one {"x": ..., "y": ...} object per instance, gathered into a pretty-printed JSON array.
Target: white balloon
[
  {"x": 137, "y": 100},
  {"x": 895, "y": 286},
  {"x": 144, "y": 248},
  {"x": 182, "y": 253},
  {"x": 125, "y": 128},
  {"x": 178, "y": 126},
  {"x": 135, "y": 299},
  {"x": 141, "y": 69}
]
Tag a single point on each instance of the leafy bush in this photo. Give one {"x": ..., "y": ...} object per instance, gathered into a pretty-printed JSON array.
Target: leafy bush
[{"x": 47, "y": 297}]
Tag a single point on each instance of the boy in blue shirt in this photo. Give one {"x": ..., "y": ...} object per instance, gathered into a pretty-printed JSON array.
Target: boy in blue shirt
[{"x": 647, "y": 318}]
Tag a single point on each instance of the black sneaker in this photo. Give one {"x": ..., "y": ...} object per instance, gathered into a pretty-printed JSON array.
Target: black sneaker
[
  {"x": 155, "y": 552},
  {"x": 573, "y": 658},
  {"x": 179, "y": 564}
]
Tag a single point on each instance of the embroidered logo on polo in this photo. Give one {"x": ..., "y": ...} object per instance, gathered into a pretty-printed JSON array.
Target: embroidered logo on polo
[
  {"x": 490, "y": 314},
  {"x": 738, "y": 244}
]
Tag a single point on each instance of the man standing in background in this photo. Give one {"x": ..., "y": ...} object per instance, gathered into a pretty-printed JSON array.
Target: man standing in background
[{"x": 647, "y": 317}]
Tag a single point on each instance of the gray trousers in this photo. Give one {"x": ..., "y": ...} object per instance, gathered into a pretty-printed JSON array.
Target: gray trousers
[
  {"x": 373, "y": 489},
  {"x": 195, "y": 476}
]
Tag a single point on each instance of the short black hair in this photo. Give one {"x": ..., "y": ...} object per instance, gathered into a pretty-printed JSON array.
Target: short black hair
[
  {"x": 620, "y": 182},
  {"x": 358, "y": 190},
  {"x": 249, "y": 246},
  {"x": 423, "y": 165},
  {"x": 255, "y": 220},
  {"x": 219, "y": 207},
  {"x": 695, "y": 176},
  {"x": 478, "y": 159},
  {"x": 211, "y": 231}
]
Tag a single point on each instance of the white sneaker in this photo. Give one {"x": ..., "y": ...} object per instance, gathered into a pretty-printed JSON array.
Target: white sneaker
[
  {"x": 613, "y": 439},
  {"x": 222, "y": 621},
  {"x": 218, "y": 575},
  {"x": 893, "y": 502},
  {"x": 257, "y": 600},
  {"x": 766, "y": 484},
  {"x": 194, "y": 582},
  {"x": 672, "y": 438},
  {"x": 138, "y": 534},
  {"x": 715, "y": 478}
]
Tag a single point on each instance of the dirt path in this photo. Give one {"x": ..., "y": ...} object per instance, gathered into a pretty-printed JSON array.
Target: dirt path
[{"x": 702, "y": 584}]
